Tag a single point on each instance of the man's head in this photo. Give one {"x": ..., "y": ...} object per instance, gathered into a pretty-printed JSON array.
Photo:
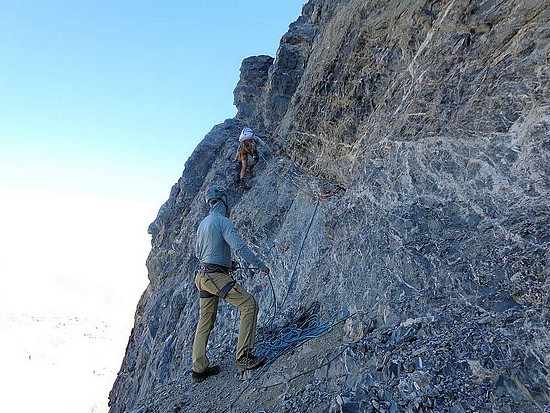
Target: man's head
[{"x": 215, "y": 193}]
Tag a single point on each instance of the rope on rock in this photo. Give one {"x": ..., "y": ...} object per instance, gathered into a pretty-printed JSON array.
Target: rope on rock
[
  {"x": 275, "y": 345},
  {"x": 318, "y": 199},
  {"x": 292, "y": 276},
  {"x": 273, "y": 304},
  {"x": 284, "y": 178},
  {"x": 300, "y": 251}
]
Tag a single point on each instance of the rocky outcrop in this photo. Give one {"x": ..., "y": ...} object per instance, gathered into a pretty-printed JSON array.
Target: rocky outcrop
[
  {"x": 410, "y": 191},
  {"x": 249, "y": 95},
  {"x": 267, "y": 85}
]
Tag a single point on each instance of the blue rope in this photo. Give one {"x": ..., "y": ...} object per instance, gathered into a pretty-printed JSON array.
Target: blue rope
[
  {"x": 274, "y": 346},
  {"x": 273, "y": 302},
  {"x": 300, "y": 251},
  {"x": 281, "y": 176},
  {"x": 288, "y": 338}
]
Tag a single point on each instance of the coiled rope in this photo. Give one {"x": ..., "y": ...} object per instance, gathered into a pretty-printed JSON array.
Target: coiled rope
[
  {"x": 287, "y": 339},
  {"x": 274, "y": 346}
]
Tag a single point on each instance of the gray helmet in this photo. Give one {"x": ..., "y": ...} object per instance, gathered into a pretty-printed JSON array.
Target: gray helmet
[{"x": 215, "y": 192}]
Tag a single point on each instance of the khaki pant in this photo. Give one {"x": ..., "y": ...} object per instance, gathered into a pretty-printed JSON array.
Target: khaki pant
[
  {"x": 237, "y": 296},
  {"x": 247, "y": 149}
]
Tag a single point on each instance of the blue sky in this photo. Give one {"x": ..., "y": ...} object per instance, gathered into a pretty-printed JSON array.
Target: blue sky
[{"x": 112, "y": 96}]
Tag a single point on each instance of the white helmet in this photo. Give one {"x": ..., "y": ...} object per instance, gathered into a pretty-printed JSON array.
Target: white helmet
[{"x": 246, "y": 133}]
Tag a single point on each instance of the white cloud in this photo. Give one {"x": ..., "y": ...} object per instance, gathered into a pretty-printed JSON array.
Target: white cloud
[{"x": 73, "y": 269}]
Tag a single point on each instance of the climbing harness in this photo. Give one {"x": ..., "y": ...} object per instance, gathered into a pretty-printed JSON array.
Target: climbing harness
[{"x": 207, "y": 269}]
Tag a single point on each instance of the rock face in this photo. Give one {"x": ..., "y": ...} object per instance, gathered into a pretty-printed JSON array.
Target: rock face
[{"x": 410, "y": 189}]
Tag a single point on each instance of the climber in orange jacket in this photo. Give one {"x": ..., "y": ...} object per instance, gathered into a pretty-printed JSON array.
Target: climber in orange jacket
[{"x": 248, "y": 142}]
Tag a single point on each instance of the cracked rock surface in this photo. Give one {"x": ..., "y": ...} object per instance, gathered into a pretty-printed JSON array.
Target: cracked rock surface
[{"x": 409, "y": 189}]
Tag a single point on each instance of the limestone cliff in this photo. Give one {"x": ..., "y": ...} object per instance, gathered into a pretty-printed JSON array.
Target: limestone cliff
[{"x": 409, "y": 190}]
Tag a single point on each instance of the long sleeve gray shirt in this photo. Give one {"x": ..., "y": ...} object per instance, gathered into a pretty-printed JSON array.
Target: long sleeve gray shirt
[{"x": 216, "y": 237}]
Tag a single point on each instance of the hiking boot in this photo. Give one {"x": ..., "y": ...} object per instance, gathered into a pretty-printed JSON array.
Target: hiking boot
[
  {"x": 244, "y": 185},
  {"x": 251, "y": 362},
  {"x": 210, "y": 371}
]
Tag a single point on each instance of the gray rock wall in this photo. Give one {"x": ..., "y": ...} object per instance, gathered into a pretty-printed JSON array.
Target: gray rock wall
[{"x": 410, "y": 188}]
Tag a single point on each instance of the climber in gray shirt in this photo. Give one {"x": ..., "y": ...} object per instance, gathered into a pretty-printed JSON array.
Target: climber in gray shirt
[{"x": 216, "y": 237}]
